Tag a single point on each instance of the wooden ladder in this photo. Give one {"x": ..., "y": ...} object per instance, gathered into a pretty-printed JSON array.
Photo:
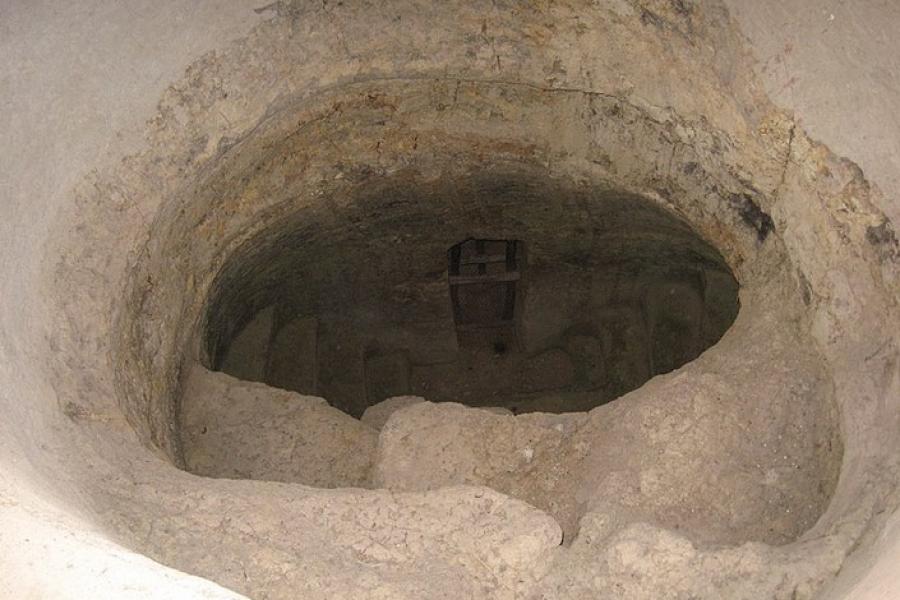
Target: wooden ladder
[{"x": 471, "y": 264}]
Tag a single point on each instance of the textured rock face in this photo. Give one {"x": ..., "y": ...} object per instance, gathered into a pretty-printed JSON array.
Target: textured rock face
[
  {"x": 264, "y": 142},
  {"x": 606, "y": 292},
  {"x": 378, "y": 414},
  {"x": 240, "y": 430},
  {"x": 719, "y": 459},
  {"x": 247, "y": 358},
  {"x": 430, "y": 446},
  {"x": 283, "y": 541}
]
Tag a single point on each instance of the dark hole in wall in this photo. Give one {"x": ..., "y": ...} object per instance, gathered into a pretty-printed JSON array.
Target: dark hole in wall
[
  {"x": 614, "y": 291},
  {"x": 753, "y": 215}
]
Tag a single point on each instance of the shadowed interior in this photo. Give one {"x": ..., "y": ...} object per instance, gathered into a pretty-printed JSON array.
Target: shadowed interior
[{"x": 607, "y": 291}]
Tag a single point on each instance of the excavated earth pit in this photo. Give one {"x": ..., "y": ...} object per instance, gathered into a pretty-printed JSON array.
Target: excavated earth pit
[
  {"x": 581, "y": 293},
  {"x": 553, "y": 310}
]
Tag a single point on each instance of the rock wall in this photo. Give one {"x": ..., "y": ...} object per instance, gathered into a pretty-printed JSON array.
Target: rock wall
[
  {"x": 611, "y": 292},
  {"x": 133, "y": 133}
]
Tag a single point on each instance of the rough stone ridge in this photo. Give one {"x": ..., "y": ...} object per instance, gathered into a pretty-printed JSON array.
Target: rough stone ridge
[
  {"x": 722, "y": 460},
  {"x": 378, "y": 414},
  {"x": 241, "y": 430}
]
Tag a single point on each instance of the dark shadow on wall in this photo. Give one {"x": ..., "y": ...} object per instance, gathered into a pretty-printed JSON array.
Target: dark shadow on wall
[{"x": 614, "y": 291}]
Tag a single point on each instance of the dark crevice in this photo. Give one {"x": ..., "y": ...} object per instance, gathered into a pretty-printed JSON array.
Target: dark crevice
[{"x": 753, "y": 215}]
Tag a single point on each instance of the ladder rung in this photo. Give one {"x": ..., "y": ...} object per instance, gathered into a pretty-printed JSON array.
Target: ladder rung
[
  {"x": 487, "y": 325},
  {"x": 481, "y": 259},
  {"x": 487, "y": 278}
]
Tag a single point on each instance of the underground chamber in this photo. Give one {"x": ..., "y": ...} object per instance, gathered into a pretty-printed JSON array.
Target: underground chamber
[
  {"x": 554, "y": 335},
  {"x": 478, "y": 336},
  {"x": 553, "y": 300},
  {"x": 558, "y": 300}
]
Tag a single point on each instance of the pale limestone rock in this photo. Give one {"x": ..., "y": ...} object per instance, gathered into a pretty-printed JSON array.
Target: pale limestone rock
[
  {"x": 378, "y": 414},
  {"x": 241, "y": 430}
]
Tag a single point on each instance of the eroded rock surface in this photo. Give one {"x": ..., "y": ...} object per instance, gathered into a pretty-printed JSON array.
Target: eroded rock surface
[
  {"x": 241, "y": 430},
  {"x": 282, "y": 541},
  {"x": 324, "y": 104},
  {"x": 713, "y": 451},
  {"x": 378, "y": 414}
]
